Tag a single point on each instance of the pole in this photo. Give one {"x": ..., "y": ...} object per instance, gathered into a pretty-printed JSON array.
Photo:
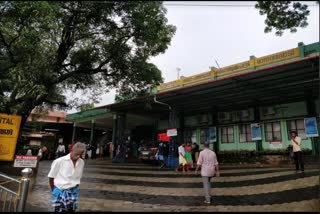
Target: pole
[{"x": 25, "y": 181}]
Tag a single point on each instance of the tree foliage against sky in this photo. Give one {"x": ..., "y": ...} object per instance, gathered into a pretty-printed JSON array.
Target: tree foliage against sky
[
  {"x": 283, "y": 15},
  {"x": 48, "y": 47}
]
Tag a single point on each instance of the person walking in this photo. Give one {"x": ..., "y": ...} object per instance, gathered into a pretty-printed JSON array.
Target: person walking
[
  {"x": 160, "y": 156},
  {"x": 297, "y": 153},
  {"x": 64, "y": 179},
  {"x": 209, "y": 167},
  {"x": 188, "y": 152},
  {"x": 182, "y": 158},
  {"x": 195, "y": 152}
]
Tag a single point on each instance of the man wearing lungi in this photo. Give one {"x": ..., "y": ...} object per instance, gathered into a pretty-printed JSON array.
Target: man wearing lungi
[{"x": 64, "y": 179}]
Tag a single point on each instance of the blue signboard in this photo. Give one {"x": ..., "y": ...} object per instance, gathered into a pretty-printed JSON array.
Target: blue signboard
[
  {"x": 256, "y": 131},
  {"x": 310, "y": 125}
]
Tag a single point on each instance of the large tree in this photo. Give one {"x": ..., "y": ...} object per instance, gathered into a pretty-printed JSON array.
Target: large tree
[
  {"x": 283, "y": 15},
  {"x": 48, "y": 47}
]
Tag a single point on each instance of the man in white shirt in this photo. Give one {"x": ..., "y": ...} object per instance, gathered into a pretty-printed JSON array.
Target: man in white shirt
[
  {"x": 297, "y": 153},
  {"x": 61, "y": 150},
  {"x": 209, "y": 166},
  {"x": 182, "y": 158},
  {"x": 64, "y": 179}
]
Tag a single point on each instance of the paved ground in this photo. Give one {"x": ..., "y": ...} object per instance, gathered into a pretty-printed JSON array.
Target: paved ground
[{"x": 136, "y": 187}]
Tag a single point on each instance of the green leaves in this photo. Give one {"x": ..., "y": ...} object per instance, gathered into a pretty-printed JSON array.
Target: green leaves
[
  {"x": 47, "y": 48},
  {"x": 283, "y": 15}
]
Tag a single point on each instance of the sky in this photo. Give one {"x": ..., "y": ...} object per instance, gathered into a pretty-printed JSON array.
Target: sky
[{"x": 227, "y": 32}]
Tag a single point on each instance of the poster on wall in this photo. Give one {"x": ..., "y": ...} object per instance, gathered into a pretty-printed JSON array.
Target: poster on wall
[
  {"x": 256, "y": 131},
  {"x": 212, "y": 134},
  {"x": 310, "y": 125},
  {"x": 275, "y": 145}
]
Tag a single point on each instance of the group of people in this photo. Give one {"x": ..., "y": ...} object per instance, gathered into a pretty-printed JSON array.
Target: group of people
[
  {"x": 66, "y": 171},
  {"x": 188, "y": 156}
]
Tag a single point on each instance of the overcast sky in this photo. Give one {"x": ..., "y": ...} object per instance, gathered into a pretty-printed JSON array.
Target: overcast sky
[{"x": 229, "y": 32}]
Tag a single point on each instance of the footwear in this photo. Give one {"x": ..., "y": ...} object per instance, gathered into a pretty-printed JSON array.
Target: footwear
[{"x": 207, "y": 202}]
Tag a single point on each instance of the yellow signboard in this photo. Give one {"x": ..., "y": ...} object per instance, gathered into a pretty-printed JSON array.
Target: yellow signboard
[
  {"x": 196, "y": 78},
  {"x": 288, "y": 54},
  {"x": 9, "y": 131},
  {"x": 168, "y": 85},
  {"x": 236, "y": 67}
]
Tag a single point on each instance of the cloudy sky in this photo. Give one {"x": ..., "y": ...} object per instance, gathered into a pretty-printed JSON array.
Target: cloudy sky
[{"x": 229, "y": 32}]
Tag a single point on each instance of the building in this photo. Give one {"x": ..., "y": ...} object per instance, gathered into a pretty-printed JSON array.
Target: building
[{"x": 270, "y": 95}]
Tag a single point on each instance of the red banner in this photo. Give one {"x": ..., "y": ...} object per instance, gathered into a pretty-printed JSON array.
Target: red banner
[{"x": 163, "y": 137}]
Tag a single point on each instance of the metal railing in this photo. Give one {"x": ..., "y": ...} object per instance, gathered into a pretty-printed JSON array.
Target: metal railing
[{"x": 11, "y": 200}]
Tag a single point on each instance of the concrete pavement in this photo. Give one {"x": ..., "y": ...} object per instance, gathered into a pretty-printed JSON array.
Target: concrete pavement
[{"x": 108, "y": 186}]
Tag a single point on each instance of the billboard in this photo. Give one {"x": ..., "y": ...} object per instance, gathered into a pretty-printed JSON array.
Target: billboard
[{"x": 9, "y": 131}]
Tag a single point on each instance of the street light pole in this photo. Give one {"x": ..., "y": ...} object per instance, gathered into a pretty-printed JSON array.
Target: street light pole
[{"x": 178, "y": 72}]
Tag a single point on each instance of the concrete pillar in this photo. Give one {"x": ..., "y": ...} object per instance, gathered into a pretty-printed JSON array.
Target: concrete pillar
[
  {"x": 74, "y": 131},
  {"x": 92, "y": 131},
  {"x": 215, "y": 122},
  {"x": 257, "y": 120},
  {"x": 181, "y": 127},
  {"x": 114, "y": 132},
  {"x": 311, "y": 112}
]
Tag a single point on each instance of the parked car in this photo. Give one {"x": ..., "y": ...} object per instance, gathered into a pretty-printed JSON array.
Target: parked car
[{"x": 148, "y": 153}]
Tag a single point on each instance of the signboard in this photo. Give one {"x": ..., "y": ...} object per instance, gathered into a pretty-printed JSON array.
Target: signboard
[
  {"x": 172, "y": 132},
  {"x": 275, "y": 145},
  {"x": 9, "y": 131},
  {"x": 196, "y": 78},
  {"x": 256, "y": 131},
  {"x": 235, "y": 68},
  {"x": 310, "y": 125},
  {"x": 25, "y": 161},
  {"x": 212, "y": 134},
  {"x": 163, "y": 137},
  {"x": 168, "y": 85},
  {"x": 269, "y": 59}
]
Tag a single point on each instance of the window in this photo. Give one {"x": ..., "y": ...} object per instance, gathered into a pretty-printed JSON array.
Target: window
[
  {"x": 190, "y": 135},
  {"x": 245, "y": 133},
  {"x": 298, "y": 126},
  {"x": 227, "y": 134},
  {"x": 204, "y": 135},
  {"x": 272, "y": 131}
]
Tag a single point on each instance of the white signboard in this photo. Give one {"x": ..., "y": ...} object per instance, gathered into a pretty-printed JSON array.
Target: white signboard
[
  {"x": 172, "y": 132},
  {"x": 25, "y": 161},
  {"x": 275, "y": 145}
]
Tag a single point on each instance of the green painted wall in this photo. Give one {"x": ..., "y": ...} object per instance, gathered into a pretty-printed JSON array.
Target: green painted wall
[{"x": 281, "y": 113}]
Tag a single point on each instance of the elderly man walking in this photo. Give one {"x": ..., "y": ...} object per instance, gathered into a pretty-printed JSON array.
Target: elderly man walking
[
  {"x": 64, "y": 179},
  {"x": 209, "y": 167}
]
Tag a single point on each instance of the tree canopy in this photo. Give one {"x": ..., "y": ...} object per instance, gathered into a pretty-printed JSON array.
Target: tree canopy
[
  {"x": 48, "y": 47},
  {"x": 283, "y": 15}
]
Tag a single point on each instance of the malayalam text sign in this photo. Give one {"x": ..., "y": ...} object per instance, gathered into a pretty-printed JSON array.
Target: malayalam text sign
[
  {"x": 25, "y": 161},
  {"x": 9, "y": 131},
  {"x": 236, "y": 67},
  {"x": 172, "y": 132},
  {"x": 283, "y": 55}
]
